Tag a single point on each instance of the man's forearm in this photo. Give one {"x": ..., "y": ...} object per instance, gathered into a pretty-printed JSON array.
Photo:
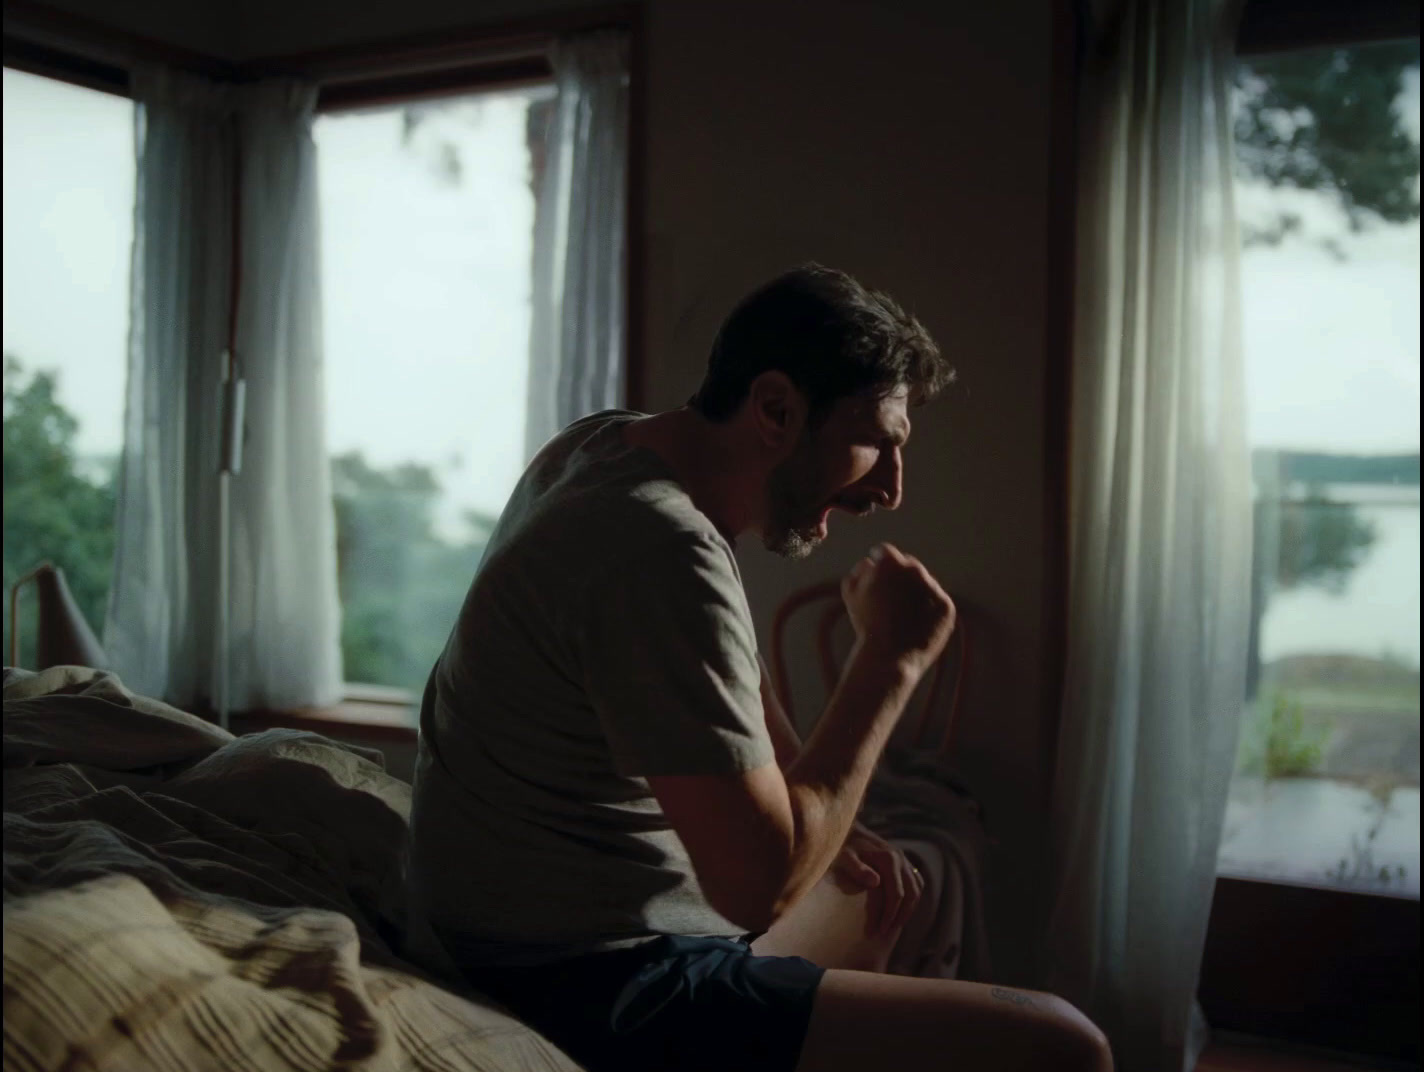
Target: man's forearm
[
  {"x": 785, "y": 741},
  {"x": 827, "y": 780}
]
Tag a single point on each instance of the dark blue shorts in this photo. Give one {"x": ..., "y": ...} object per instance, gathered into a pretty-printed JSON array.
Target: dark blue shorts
[{"x": 669, "y": 1005}]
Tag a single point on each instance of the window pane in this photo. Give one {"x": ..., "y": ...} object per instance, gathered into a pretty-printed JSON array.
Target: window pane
[
  {"x": 1327, "y": 782},
  {"x": 427, "y": 232},
  {"x": 68, "y": 221}
]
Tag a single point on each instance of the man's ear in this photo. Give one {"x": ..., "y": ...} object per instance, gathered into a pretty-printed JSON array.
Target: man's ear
[{"x": 777, "y": 409}]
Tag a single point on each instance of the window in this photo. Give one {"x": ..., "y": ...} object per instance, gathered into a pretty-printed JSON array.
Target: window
[
  {"x": 427, "y": 233},
  {"x": 1327, "y": 783},
  {"x": 68, "y": 219}
]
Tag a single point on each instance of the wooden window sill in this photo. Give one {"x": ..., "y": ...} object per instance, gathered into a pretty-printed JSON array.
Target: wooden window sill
[
  {"x": 1330, "y": 968},
  {"x": 364, "y": 718},
  {"x": 1242, "y": 1053}
]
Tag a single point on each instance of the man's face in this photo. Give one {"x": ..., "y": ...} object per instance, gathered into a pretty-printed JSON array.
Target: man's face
[{"x": 851, "y": 462}]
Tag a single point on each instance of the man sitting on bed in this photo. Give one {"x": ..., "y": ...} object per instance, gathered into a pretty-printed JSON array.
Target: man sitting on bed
[{"x": 613, "y": 821}]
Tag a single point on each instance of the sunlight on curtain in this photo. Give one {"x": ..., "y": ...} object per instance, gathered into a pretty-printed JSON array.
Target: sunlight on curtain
[
  {"x": 1160, "y": 530},
  {"x": 576, "y": 334},
  {"x": 285, "y": 640},
  {"x": 162, "y": 623},
  {"x": 158, "y": 630}
]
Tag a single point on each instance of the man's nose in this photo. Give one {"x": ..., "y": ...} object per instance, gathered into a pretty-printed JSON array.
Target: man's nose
[{"x": 888, "y": 476}]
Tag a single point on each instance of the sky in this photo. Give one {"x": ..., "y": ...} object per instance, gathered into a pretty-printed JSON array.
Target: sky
[
  {"x": 68, "y": 224},
  {"x": 426, "y": 290},
  {"x": 425, "y": 284},
  {"x": 1332, "y": 348}
]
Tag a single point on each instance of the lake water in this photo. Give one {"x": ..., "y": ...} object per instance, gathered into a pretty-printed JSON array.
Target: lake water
[{"x": 1378, "y": 612}]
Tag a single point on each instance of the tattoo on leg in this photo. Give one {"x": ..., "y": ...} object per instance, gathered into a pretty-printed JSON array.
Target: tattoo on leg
[{"x": 1012, "y": 996}]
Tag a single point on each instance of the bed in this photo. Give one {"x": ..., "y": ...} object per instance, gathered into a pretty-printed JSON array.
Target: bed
[{"x": 176, "y": 898}]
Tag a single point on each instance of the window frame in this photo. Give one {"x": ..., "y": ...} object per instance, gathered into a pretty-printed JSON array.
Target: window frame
[
  {"x": 33, "y": 57},
  {"x": 1335, "y": 968},
  {"x": 1326, "y": 966},
  {"x": 481, "y": 57},
  {"x": 428, "y": 68},
  {"x": 387, "y": 79},
  {"x": 36, "y": 58}
]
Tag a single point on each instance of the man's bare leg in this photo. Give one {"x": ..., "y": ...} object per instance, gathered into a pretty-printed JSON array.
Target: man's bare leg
[
  {"x": 866, "y": 1021},
  {"x": 828, "y": 927}
]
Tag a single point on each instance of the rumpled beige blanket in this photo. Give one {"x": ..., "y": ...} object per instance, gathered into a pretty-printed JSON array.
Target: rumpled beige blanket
[{"x": 177, "y": 898}]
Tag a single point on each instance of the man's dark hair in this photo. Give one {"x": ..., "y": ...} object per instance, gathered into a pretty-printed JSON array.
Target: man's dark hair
[{"x": 831, "y": 336}]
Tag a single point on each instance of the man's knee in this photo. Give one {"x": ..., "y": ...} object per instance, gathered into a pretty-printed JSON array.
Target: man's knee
[{"x": 1071, "y": 1041}]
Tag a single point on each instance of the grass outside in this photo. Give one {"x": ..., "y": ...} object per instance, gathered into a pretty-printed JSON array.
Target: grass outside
[
  {"x": 1345, "y": 717},
  {"x": 1386, "y": 702}
]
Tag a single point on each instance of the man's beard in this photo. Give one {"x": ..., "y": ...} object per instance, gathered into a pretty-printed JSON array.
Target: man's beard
[
  {"x": 793, "y": 544},
  {"x": 793, "y": 518}
]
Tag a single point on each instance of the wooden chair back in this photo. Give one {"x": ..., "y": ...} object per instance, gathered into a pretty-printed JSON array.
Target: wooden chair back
[{"x": 827, "y": 596}]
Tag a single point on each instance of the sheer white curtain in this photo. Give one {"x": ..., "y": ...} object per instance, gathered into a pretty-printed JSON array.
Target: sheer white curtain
[
  {"x": 162, "y": 599},
  {"x": 576, "y": 333},
  {"x": 1160, "y": 529},
  {"x": 286, "y": 618},
  {"x": 161, "y": 625}
]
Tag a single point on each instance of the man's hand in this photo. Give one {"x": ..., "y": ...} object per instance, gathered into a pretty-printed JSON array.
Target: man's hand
[
  {"x": 867, "y": 861},
  {"x": 897, "y": 608}
]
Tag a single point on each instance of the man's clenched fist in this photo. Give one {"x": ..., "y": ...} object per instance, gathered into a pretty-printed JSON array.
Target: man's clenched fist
[{"x": 898, "y": 610}]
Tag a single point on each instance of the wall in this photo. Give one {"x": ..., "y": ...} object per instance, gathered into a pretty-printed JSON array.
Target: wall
[
  {"x": 275, "y": 27},
  {"x": 908, "y": 143},
  {"x": 197, "y": 25},
  {"x": 237, "y": 30}
]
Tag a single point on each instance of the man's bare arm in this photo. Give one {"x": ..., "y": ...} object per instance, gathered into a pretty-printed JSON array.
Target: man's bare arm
[
  {"x": 785, "y": 741},
  {"x": 761, "y": 839}
]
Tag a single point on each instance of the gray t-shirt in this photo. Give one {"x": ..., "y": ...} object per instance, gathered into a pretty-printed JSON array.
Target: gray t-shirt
[{"x": 606, "y": 637}]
